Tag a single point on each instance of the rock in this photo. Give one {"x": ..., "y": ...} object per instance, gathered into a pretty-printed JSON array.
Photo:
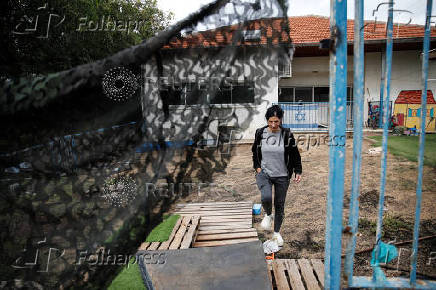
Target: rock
[{"x": 374, "y": 151}]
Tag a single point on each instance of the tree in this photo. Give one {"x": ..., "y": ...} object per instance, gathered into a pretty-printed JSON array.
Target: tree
[{"x": 71, "y": 32}]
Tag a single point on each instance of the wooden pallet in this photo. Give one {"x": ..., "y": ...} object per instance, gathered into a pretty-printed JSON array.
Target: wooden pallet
[
  {"x": 182, "y": 236},
  {"x": 296, "y": 274},
  {"x": 222, "y": 223}
]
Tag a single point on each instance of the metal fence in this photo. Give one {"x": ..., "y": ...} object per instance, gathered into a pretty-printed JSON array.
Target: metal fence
[
  {"x": 337, "y": 127},
  {"x": 66, "y": 153}
]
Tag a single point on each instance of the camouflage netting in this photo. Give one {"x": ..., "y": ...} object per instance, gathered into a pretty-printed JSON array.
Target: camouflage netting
[{"x": 68, "y": 188}]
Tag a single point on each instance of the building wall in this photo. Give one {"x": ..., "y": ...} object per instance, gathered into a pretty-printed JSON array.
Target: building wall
[
  {"x": 261, "y": 66},
  {"x": 406, "y": 74},
  {"x": 256, "y": 64},
  {"x": 312, "y": 71}
]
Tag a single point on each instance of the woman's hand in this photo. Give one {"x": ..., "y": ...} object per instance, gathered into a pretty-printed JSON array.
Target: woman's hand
[{"x": 297, "y": 178}]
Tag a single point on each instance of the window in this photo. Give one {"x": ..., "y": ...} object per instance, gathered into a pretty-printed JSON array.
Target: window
[
  {"x": 195, "y": 96},
  {"x": 221, "y": 96},
  {"x": 321, "y": 94},
  {"x": 236, "y": 93},
  {"x": 286, "y": 94},
  {"x": 303, "y": 94},
  {"x": 285, "y": 67},
  {"x": 243, "y": 93},
  {"x": 191, "y": 93},
  {"x": 172, "y": 96},
  {"x": 186, "y": 93}
]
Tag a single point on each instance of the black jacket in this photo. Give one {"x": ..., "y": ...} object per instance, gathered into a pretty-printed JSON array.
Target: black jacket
[{"x": 292, "y": 155}]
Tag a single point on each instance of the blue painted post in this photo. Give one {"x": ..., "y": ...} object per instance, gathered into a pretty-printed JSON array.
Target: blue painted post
[
  {"x": 359, "y": 94},
  {"x": 388, "y": 61},
  {"x": 382, "y": 88},
  {"x": 426, "y": 47},
  {"x": 338, "y": 121}
]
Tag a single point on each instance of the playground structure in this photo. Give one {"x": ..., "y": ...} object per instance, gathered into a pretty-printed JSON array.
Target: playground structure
[{"x": 408, "y": 110}]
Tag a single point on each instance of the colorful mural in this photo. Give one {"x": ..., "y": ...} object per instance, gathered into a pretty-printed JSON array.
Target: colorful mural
[{"x": 407, "y": 110}]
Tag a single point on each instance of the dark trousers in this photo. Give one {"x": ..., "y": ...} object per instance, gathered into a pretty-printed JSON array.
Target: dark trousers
[{"x": 281, "y": 184}]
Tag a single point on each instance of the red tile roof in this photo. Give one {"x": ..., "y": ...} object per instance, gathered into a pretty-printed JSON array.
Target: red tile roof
[
  {"x": 302, "y": 30},
  {"x": 413, "y": 97}
]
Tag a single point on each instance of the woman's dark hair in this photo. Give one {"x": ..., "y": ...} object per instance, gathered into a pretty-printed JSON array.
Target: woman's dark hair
[{"x": 274, "y": 110}]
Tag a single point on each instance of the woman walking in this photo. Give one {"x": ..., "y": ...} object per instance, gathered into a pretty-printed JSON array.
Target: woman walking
[{"x": 275, "y": 158}]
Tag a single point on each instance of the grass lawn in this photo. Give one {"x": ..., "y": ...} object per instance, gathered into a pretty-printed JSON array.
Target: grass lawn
[
  {"x": 162, "y": 232},
  {"x": 130, "y": 277},
  {"x": 408, "y": 147}
]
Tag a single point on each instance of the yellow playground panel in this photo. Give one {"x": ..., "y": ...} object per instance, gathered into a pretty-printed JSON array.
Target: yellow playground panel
[{"x": 407, "y": 110}]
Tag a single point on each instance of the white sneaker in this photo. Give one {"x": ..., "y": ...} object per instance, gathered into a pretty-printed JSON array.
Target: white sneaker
[
  {"x": 266, "y": 222},
  {"x": 278, "y": 238}
]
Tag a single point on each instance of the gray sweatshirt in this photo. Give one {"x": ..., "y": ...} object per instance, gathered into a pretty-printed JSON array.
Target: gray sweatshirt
[{"x": 273, "y": 160}]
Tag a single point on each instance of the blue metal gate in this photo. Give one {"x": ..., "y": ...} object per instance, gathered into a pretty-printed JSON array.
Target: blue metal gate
[{"x": 337, "y": 127}]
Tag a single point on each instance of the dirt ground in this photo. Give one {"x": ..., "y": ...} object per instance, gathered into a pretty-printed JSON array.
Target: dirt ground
[{"x": 303, "y": 228}]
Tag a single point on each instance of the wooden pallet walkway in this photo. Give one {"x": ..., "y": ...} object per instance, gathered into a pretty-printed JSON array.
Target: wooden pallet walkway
[
  {"x": 297, "y": 274},
  {"x": 182, "y": 236},
  {"x": 222, "y": 223}
]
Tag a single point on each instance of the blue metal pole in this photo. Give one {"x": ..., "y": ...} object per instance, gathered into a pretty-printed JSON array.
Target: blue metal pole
[
  {"x": 359, "y": 94},
  {"x": 382, "y": 88},
  {"x": 426, "y": 47},
  {"x": 389, "y": 46},
  {"x": 338, "y": 121}
]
